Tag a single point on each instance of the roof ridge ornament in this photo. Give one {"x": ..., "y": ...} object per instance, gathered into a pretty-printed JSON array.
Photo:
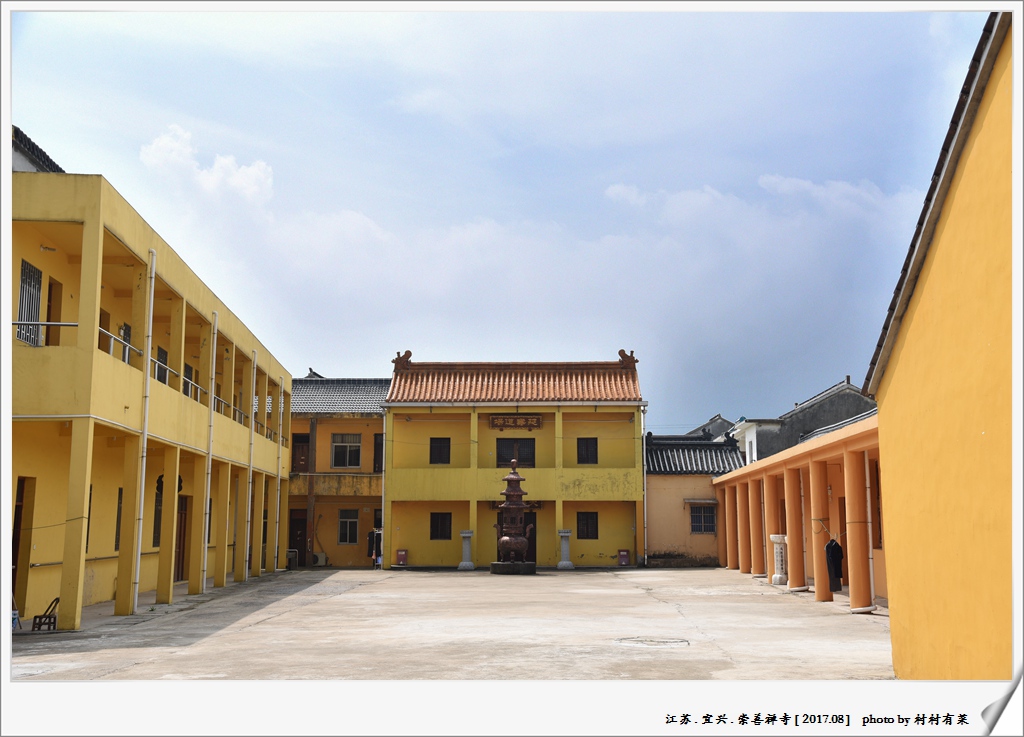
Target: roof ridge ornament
[
  {"x": 402, "y": 361},
  {"x": 627, "y": 361}
]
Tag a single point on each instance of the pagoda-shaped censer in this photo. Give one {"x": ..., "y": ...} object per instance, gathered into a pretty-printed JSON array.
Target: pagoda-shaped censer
[{"x": 512, "y": 542}]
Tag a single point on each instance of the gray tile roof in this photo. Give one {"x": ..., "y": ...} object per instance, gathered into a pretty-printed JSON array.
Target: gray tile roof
[
  {"x": 680, "y": 455},
  {"x": 338, "y": 396},
  {"x": 33, "y": 152}
]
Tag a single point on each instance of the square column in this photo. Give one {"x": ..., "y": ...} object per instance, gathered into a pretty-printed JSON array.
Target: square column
[
  {"x": 131, "y": 524},
  {"x": 243, "y": 519},
  {"x": 731, "y": 538},
  {"x": 794, "y": 530},
  {"x": 756, "y": 529},
  {"x": 857, "y": 543},
  {"x": 720, "y": 525},
  {"x": 72, "y": 575},
  {"x": 168, "y": 526},
  {"x": 221, "y": 523},
  {"x": 259, "y": 485},
  {"x": 282, "y": 516},
  {"x": 772, "y": 525},
  {"x": 196, "y": 559},
  {"x": 819, "y": 529},
  {"x": 743, "y": 525}
]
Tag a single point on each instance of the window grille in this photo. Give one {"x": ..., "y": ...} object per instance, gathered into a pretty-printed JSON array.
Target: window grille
[
  {"x": 586, "y": 525},
  {"x": 440, "y": 525},
  {"x": 586, "y": 451},
  {"x": 520, "y": 449},
  {"x": 29, "y": 303},
  {"x": 440, "y": 450},
  {"x": 345, "y": 449},
  {"x": 702, "y": 519}
]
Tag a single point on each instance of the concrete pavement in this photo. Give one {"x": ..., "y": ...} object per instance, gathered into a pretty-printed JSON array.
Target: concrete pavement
[{"x": 624, "y": 623}]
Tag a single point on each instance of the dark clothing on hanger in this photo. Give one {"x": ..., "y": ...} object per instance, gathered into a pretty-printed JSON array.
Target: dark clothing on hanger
[{"x": 834, "y": 560}]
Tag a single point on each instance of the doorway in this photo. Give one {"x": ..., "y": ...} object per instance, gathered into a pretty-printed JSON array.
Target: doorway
[
  {"x": 297, "y": 533},
  {"x": 180, "y": 539}
]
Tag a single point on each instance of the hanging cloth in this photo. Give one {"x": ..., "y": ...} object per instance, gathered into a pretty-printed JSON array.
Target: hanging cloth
[{"x": 834, "y": 561}]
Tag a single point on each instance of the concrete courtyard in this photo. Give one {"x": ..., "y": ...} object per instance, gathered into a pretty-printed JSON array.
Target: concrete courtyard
[{"x": 627, "y": 624}]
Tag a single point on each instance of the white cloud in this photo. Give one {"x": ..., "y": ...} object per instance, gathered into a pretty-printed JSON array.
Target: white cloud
[
  {"x": 173, "y": 153},
  {"x": 627, "y": 193}
]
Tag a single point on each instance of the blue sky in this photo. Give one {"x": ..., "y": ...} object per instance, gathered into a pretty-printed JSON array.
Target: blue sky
[{"x": 730, "y": 195}]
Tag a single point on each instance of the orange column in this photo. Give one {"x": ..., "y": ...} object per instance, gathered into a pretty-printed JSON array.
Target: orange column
[
  {"x": 771, "y": 519},
  {"x": 794, "y": 531},
  {"x": 819, "y": 529},
  {"x": 723, "y": 553},
  {"x": 856, "y": 548},
  {"x": 743, "y": 524},
  {"x": 756, "y": 529},
  {"x": 732, "y": 558}
]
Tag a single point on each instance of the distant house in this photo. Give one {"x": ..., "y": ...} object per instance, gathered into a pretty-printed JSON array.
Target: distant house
[
  {"x": 760, "y": 438},
  {"x": 685, "y": 522},
  {"x": 943, "y": 377},
  {"x": 337, "y": 469},
  {"x": 26, "y": 155}
]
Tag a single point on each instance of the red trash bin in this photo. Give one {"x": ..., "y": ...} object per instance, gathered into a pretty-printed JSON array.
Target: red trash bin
[
  {"x": 403, "y": 557},
  {"x": 623, "y": 557}
]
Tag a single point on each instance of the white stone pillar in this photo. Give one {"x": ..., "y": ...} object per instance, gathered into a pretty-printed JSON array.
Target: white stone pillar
[
  {"x": 565, "y": 564},
  {"x": 780, "y": 559},
  {"x": 467, "y": 554}
]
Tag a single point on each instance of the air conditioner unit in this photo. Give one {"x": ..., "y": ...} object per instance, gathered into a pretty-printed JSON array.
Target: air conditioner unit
[{"x": 319, "y": 559}]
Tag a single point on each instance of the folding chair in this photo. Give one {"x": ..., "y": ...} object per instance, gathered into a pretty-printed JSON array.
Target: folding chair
[{"x": 48, "y": 619}]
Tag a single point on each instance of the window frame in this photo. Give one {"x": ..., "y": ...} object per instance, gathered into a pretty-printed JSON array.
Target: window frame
[
  {"x": 351, "y": 445},
  {"x": 350, "y": 524},
  {"x": 440, "y": 451},
  {"x": 30, "y": 302},
  {"x": 586, "y": 526},
  {"x": 517, "y": 454},
  {"x": 586, "y": 451},
  {"x": 440, "y": 524},
  {"x": 702, "y": 517}
]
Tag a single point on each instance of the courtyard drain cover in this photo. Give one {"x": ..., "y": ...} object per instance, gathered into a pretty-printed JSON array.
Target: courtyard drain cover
[{"x": 652, "y": 642}]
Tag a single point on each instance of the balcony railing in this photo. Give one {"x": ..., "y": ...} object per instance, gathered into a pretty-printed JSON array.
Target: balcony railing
[
  {"x": 191, "y": 389},
  {"x": 112, "y": 340},
  {"x": 36, "y": 334}
]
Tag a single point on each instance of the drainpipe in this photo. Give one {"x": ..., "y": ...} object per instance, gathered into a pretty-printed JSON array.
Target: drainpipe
[
  {"x": 211, "y": 397},
  {"x": 871, "y": 537},
  {"x": 643, "y": 466},
  {"x": 147, "y": 356},
  {"x": 248, "y": 496},
  {"x": 383, "y": 479},
  {"x": 277, "y": 497}
]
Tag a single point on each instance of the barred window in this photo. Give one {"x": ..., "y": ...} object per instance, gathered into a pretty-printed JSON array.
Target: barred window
[
  {"x": 586, "y": 525},
  {"x": 440, "y": 450},
  {"x": 345, "y": 450},
  {"x": 440, "y": 525},
  {"x": 520, "y": 449},
  {"x": 586, "y": 450},
  {"x": 702, "y": 519}
]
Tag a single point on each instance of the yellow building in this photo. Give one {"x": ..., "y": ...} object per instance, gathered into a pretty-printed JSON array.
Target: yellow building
[
  {"x": 337, "y": 469},
  {"x": 685, "y": 522},
  {"x": 942, "y": 379},
  {"x": 149, "y": 442},
  {"x": 451, "y": 430}
]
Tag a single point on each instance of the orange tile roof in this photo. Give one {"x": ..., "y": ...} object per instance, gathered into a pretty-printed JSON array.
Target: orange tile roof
[{"x": 596, "y": 381}]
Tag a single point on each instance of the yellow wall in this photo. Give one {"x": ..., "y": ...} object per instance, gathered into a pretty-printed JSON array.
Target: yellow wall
[
  {"x": 326, "y": 529},
  {"x": 411, "y": 446},
  {"x": 945, "y": 425},
  {"x": 668, "y": 519}
]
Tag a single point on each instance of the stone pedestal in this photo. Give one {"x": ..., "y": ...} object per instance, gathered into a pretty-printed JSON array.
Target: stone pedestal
[
  {"x": 467, "y": 552},
  {"x": 565, "y": 564},
  {"x": 514, "y": 568},
  {"x": 780, "y": 559}
]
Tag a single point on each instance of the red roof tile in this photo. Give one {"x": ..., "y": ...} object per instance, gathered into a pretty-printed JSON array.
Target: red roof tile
[{"x": 597, "y": 381}]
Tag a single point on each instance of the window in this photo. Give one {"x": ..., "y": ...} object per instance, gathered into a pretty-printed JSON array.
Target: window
[
  {"x": 125, "y": 332},
  {"x": 188, "y": 386},
  {"x": 586, "y": 525},
  {"x": 345, "y": 450},
  {"x": 378, "y": 452},
  {"x": 440, "y": 450},
  {"x": 117, "y": 524},
  {"x": 586, "y": 450},
  {"x": 348, "y": 526},
  {"x": 521, "y": 449},
  {"x": 29, "y": 303},
  {"x": 161, "y": 368},
  {"x": 702, "y": 519},
  {"x": 440, "y": 525}
]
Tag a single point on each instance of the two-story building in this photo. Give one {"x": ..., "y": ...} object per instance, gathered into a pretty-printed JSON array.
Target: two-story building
[
  {"x": 452, "y": 430},
  {"x": 337, "y": 469},
  {"x": 149, "y": 424}
]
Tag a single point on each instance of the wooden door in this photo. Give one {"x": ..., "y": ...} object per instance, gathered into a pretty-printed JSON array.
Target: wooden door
[
  {"x": 180, "y": 539},
  {"x": 297, "y": 533}
]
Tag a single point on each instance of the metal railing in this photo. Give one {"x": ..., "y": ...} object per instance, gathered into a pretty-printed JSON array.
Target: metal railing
[
  {"x": 30, "y": 333},
  {"x": 240, "y": 417},
  {"x": 191, "y": 389},
  {"x": 125, "y": 346}
]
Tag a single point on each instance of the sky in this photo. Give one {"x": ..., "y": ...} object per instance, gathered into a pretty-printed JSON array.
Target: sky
[{"x": 730, "y": 195}]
